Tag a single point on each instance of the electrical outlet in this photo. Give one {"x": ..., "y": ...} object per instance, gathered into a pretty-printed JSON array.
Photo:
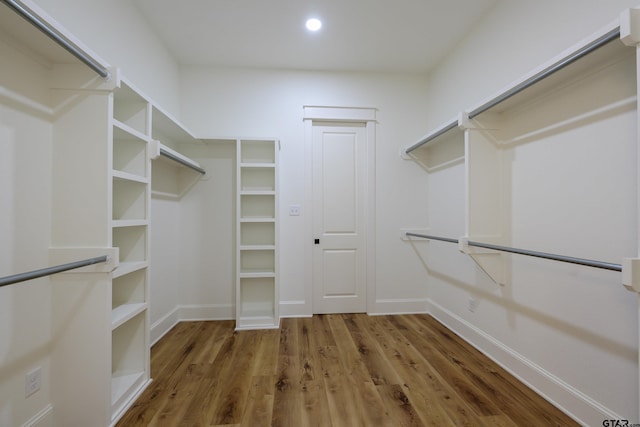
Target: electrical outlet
[
  {"x": 33, "y": 381},
  {"x": 294, "y": 210}
]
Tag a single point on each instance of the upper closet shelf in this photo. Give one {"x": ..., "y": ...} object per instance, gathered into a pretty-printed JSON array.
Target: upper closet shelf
[
  {"x": 58, "y": 44},
  {"x": 584, "y": 56},
  {"x": 434, "y": 135},
  {"x": 168, "y": 130},
  {"x": 590, "y": 54}
]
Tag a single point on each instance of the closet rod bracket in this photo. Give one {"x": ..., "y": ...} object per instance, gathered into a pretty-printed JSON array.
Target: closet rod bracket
[
  {"x": 631, "y": 274},
  {"x": 630, "y": 27},
  {"x": 490, "y": 262}
]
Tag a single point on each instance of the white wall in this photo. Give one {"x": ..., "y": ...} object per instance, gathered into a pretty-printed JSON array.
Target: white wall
[
  {"x": 192, "y": 244},
  {"x": 570, "y": 332},
  {"x": 25, "y": 230},
  {"x": 260, "y": 103},
  {"x": 118, "y": 33}
]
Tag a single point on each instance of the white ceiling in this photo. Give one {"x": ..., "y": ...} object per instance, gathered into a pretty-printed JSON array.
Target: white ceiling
[{"x": 357, "y": 35}]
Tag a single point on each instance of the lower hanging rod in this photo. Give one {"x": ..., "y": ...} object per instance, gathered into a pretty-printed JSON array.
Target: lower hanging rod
[
  {"x": 561, "y": 258},
  {"x": 21, "y": 277},
  {"x": 425, "y": 236}
]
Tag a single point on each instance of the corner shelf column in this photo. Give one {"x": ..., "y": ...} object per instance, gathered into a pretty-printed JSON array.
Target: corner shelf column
[
  {"x": 130, "y": 180},
  {"x": 257, "y": 296}
]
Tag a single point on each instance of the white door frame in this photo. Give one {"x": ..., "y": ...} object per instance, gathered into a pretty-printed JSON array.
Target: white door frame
[{"x": 367, "y": 116}]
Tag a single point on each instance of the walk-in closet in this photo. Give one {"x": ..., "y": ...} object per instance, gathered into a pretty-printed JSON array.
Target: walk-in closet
[{"x": 207, "y": 219}]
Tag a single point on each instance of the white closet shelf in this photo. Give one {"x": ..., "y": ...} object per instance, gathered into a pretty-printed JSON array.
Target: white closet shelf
[
  {"x": 585, "y": 57},
  {"x": 129, "y": 132},
  {"x": 540, "y": 81},
  {"x": 119, "y": 223},
  {"x": 256, "y": 320},
  {"x": 126, "y": 176},
  {"x": 128, "y": 267},
  {"x": 164, "y": 125},
  {"x": 123, "y": 385},
  {"x": 256, "y": 274},
  {"x": 125, "y": 312},
  {"x": 434, "y": 137},
  {"x": 257, "y": 193},
  {"x": 257, "y": 220},
  {"x": 258, "y": 165},
  {"x": 257, "y": 247}
]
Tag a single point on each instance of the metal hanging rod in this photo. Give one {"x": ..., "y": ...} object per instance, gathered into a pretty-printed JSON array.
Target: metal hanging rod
[
  {"x": 596, "y": 44},
  {"x": 425, "y": 236},
  {"x": 21, "y": 277},
  {"x": 561, "y": 258},
  {"x": 58, "y": 37},
  {"x": 433, "y": 136},
  {"x": 175, "y": 158}
]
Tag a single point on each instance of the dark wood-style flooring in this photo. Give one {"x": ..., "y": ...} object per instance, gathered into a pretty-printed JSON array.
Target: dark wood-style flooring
[{"x": 331, "y": 370}]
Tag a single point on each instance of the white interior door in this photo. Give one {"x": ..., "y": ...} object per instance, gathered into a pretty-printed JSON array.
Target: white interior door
[{"x": 339, "y": 196}]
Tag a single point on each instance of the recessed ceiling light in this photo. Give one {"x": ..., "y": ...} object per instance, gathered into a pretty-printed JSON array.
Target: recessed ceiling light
[{"x": 313, "y": 24}]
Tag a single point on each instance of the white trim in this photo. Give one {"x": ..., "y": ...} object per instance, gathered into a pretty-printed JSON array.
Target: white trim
[
  {"x": 295, "y": 309},
  {"x": 347, "y": 115},
  {"x": 44, "y": 418},
  {"x": 164, "y": 325},
  {"x": 399, "y": 306},
  {"x": 129, "y": 403},
  {"x": 189, "y": 313},
  {"x": 206, "y": 312},
  {"x": 340, "y": 114},
  {"x": 568, "y": 399}
]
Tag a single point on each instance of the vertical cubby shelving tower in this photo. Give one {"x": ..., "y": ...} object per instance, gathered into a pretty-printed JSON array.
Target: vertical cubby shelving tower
[
  {"x": 130, "y": 180},
  {"x": 257, "y": 234}
]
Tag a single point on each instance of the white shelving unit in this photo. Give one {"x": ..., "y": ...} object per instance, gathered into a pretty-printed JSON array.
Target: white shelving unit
[
  {"x": 102, "y": 199},
  {"x": 130, "y": 180},
  {"x": 557, "y": 97},
  {"x": 257, "y": 234},
  {"x": 142, "y": 136}
]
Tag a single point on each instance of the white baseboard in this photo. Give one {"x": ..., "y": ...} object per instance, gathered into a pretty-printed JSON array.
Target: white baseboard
[
  {"x": 44, "y": 418},
  {"x": 182, "y": 313},
  {"x": 399, "y": 306},
  {"x": 571, "y": 401},
  {"x": 206, "y": 312},
  {"x": 382, "y": 307},
  {"x": 295, "y": 309},
  {"x": 164, "y": 325}
]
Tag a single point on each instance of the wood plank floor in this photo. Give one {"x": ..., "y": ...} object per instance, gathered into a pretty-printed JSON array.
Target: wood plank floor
[{"x": 331, "y": 370}]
